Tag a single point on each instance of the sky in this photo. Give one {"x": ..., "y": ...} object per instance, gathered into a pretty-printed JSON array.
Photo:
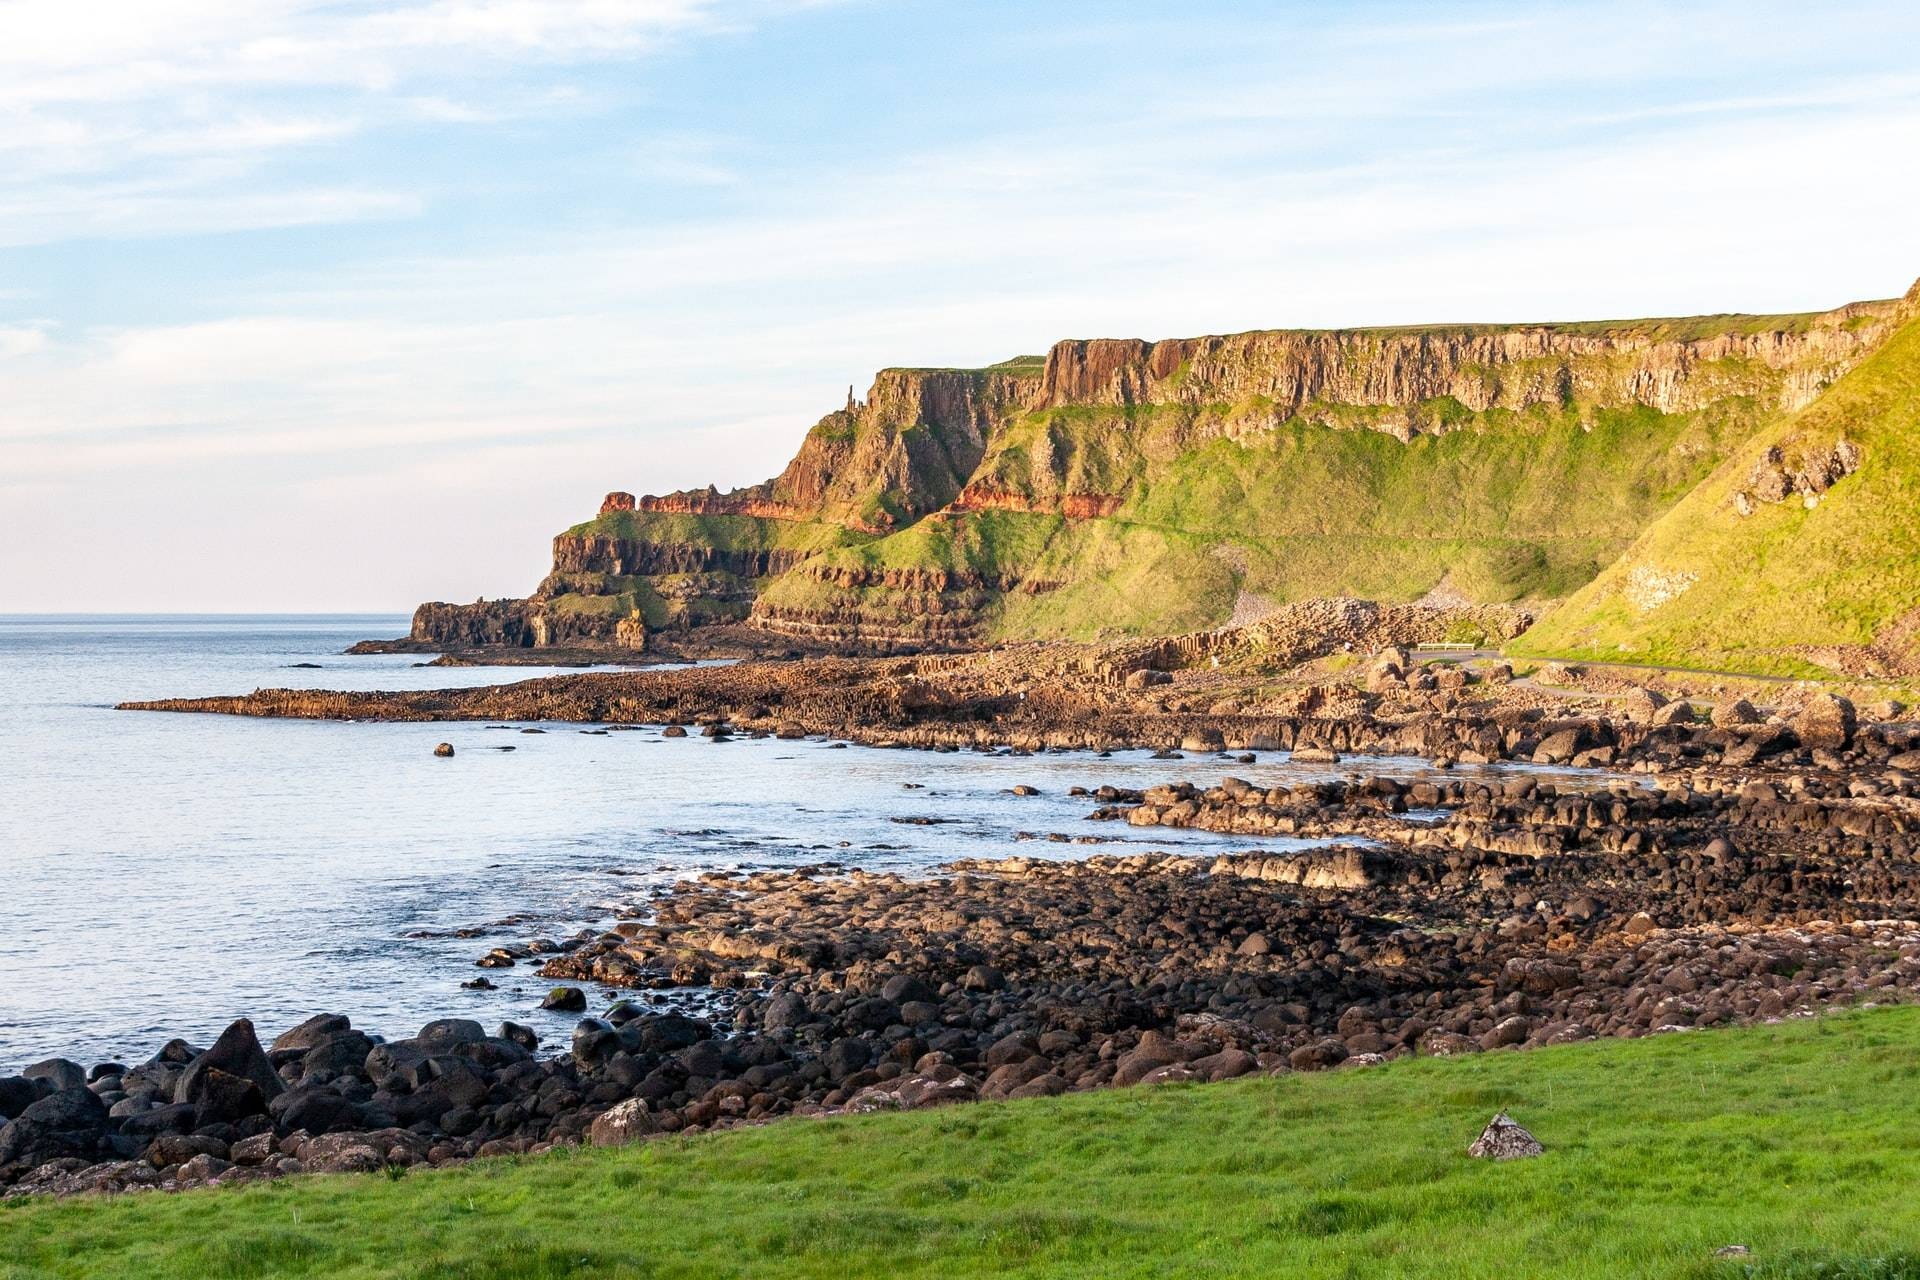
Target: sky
[{"x": 348, "y": 305}]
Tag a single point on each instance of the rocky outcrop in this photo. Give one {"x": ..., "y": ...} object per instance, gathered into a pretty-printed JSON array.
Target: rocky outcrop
[
  {"x": 880, "y": 463},
  {"x": 600, "y": 555},
  {"x": 1074, "y": 506},
  {"x": 524, "y": 624},
  {"x": 1813, "y": 471},
  {"x": 1481, "y": 367},
  {"x": 1313, "y": 628}
]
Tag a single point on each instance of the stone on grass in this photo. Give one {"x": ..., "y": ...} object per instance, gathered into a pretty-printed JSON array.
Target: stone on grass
[{"x": 1503, "y": 1139}]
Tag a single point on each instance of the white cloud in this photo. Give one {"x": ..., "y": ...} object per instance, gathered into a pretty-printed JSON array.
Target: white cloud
[
  {"x": 21, "y": 340},
  {"x": 95, "y": 96}
]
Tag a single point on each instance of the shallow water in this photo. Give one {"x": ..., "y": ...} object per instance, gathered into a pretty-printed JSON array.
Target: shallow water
[{"x": 167, "y": 873}]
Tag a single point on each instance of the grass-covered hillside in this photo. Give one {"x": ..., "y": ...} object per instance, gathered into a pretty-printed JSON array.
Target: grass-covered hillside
[
  {"x": 1737, "y": 577},
  {"x": 1503, "y": 506},
  {"x": 1796, "y": 1141}
]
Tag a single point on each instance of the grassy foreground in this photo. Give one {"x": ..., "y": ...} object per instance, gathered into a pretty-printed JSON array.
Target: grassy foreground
[{"x": 1798, "y": 1140}]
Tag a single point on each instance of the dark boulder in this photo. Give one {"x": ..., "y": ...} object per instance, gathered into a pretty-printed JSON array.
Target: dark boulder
[
  {"x": 316, "y": 1110},
  {"x": 71, "y": 1123},
  {"x": 318, "y": 1029},
  {"x": 594, "y": 1041},
  {"x": 75, "y": 1108},
  {"x": 903, "y": 987},
  {"x": 669, "y": 1031},
  {"x": 173, "y": 1118},
  {"x": 58, "y": 1073},
  {"x": 236, "y": 1053},
  {"x": 846, "y": 1056},
  {"x": 788, "y": 1009},
  {"x": 342, "y": 1054},
  {"x": 17, "y": 1093},
  {"x": 445, "y": 1032},
  {"x": 222, "y": 1098}
]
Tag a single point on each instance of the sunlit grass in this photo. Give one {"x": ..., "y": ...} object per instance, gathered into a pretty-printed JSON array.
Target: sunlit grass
[{"x": 1797, "y": 1141}]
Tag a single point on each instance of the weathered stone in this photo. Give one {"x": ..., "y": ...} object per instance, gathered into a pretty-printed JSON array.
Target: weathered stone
[{"x": 1504, "y": 1139}]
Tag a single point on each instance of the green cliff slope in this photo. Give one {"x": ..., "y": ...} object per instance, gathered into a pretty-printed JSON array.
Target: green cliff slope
[{"x": 1740, "y": 576}]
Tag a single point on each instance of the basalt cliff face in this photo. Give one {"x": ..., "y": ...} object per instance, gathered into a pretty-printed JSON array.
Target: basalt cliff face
[{"x": 1121, "y": 487}]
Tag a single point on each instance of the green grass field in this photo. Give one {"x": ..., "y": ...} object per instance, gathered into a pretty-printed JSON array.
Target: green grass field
[{"x": 1800, "y": 1141}]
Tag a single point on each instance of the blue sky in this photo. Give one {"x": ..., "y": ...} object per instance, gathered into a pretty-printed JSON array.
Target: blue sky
[{"x": 348, "y": 305}]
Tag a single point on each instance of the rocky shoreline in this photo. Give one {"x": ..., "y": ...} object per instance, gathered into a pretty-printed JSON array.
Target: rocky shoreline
[{"x": 1714, "y": 866}]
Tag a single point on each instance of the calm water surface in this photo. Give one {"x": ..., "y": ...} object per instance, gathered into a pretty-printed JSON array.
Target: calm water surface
[{"x": 164, "y": 874}]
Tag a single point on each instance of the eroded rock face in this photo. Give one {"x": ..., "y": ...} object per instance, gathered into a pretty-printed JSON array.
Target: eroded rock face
[{"x": 1808, "y": 473}]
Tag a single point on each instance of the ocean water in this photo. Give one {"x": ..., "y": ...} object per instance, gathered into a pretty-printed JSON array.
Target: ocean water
[{"x": 162, "y": 874}]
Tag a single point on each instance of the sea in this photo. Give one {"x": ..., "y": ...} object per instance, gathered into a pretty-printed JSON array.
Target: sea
[{"x": 162, "y": 874}]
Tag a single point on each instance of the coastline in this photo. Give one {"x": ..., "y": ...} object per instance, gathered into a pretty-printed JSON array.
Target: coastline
[{"x": 1708, "y": 874}]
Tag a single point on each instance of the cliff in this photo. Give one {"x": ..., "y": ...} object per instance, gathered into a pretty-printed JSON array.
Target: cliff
[
  {"x": 1800, "y": 555},
  {"x": 1132, "y": 487}
]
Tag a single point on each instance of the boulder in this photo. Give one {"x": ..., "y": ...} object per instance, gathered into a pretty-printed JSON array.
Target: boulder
[
  {"x": 1009, "y": 1049},
  {"x": 69, "y": 1124},
  {"x": 237, "y": 1053},
  {"x": 1153, "y": 1052},
  {"x": 444, "y": 1033},
  {"x": 903, "y": 987},
  {"x": 983, "y": 977},
  {"x": 1642, "y": 705},
  {"x": 846, "y": 1056},
  {"x": 788, "y": 1009},
  {"x": 1558, "y": 748},
  {"x": 17, "y": 1093},
  {"x": 625, "y": 1122},
  {"x": 221, "y": 1098},
  {"x": 593, "y": 1042},
  {"x": 345, "y": 1053},
  {"x": 1503, "y": 1139},
  {"x": 343, "y": 1153},
  {"x": 315, "y": 1110},
  {"x": 320, "y": 1027},
  {"x": 58, "y": 1074},
  {"x": 1674, "y": 713},
  {"x": 1826, "y": 721}
]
